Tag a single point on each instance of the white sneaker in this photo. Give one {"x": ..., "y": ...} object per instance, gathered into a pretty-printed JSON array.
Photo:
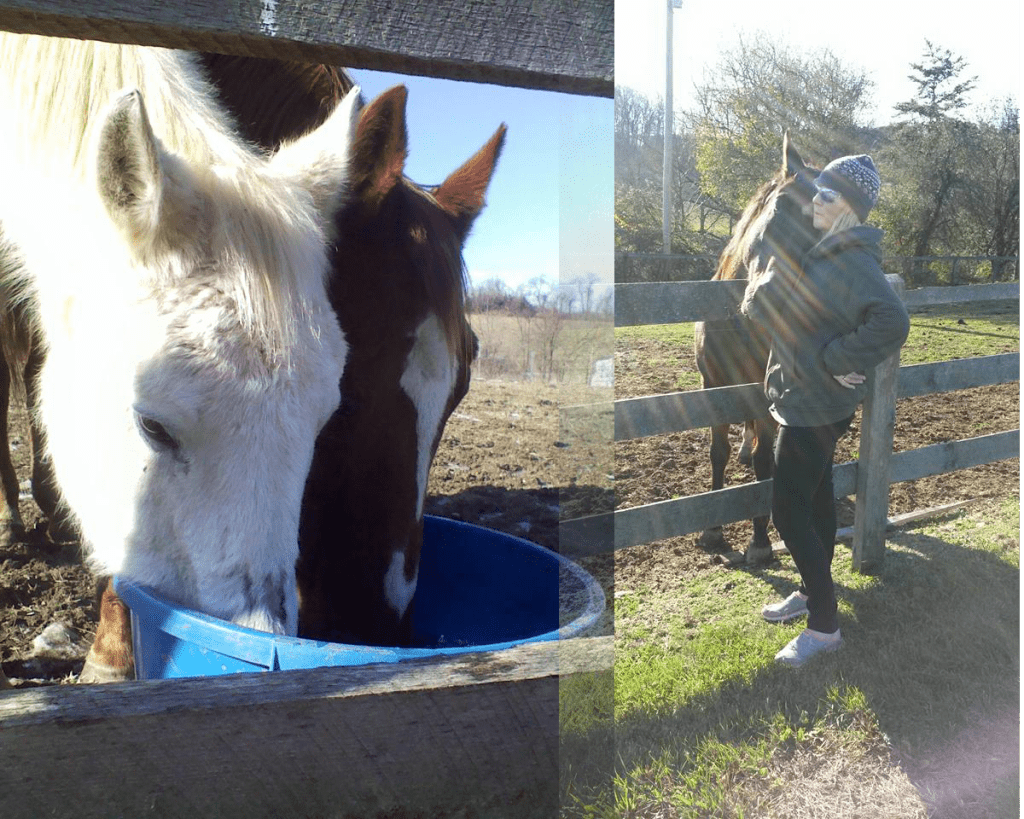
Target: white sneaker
[
  {"x": 805, "y": 646},
  {"x": 793, "y": 606}
]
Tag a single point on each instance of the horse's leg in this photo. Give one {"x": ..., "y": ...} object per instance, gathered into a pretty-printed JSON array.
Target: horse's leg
[
  {"x": 110, "y": 658},
  {"x": 10, "y": 517},
  {"x": 747, "y": 447},
  {"x": 759, "y": 550},
  {"x": 44, "y": 483},
  {"x": 712, "y": 538}
]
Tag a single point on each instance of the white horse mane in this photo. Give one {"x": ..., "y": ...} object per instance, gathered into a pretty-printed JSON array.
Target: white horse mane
[
  {"x": 180, "y": 278},
  {"x": 66, "y": 86}
]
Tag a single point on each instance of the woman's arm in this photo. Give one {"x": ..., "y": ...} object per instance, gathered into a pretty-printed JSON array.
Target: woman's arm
[{"x": 882, "y": 332}]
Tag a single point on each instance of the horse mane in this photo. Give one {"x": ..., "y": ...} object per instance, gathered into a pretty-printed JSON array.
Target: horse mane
[
  {"x": 261, "y": 216},
  {"x": 282, "y": 99},
  {"x": 749, "y": 230}
]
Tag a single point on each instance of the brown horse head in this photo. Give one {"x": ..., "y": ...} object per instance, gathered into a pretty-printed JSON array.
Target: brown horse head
[
  {"x": 398, "y": 288},
  {"x": 776, "y": 224},
  {"x": 399, "y": 292}
]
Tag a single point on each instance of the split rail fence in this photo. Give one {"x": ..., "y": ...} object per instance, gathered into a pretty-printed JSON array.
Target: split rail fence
[
  {"x": 868, "y": 478},
  {"x": 469, "y": 736}
]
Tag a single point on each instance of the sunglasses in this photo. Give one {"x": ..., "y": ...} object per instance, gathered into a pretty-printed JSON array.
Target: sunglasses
[{"x": 828, "y": 196}]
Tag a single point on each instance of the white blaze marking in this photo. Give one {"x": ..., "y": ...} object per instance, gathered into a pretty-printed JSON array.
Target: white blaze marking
[
  {"x": 428, "y": 380},
  {"x": 397, "y": 589},
  {"x": 268, "y": 18}
]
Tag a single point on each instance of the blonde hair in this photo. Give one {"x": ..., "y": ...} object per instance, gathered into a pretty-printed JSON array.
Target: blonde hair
[{"x": 844, "y": 221}]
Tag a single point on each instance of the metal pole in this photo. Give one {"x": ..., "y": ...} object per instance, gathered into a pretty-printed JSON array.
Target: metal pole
[{"x": 666, "y": 170}]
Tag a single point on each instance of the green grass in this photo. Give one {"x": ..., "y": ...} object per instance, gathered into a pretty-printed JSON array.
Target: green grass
[
  {"x": 707, "y": 725},
  {"x": 937, "y": 334}
]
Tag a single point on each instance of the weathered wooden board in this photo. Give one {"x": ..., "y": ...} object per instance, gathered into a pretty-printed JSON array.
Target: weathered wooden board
[
  {"x": 475, "y": 735},
  {"x": 684, "y": 516},
  {"x": 954, "y": 455},
  {"x": 555, "y": 45},
  {"x": 675, "y": 302},
  {"x": 963, "y": 294},
  {"x": 694, "y": 409},
  {"x": 877, "y": 427},
  {"x": 681, "y": 411},
  {"x": 959, "y": 374}
]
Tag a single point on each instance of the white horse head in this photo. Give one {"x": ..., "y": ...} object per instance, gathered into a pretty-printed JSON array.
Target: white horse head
[{"x": 193, "y": 355}]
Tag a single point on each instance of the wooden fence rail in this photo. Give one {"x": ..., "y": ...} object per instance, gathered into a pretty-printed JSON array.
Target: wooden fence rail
[
  {"x": 916, "y": 270},
  {"x": 877, "y": 468},
  {"x": 552, "y": 45},
  {"x": 677, "y": 302},
  {"x": 475, "y": 735}
]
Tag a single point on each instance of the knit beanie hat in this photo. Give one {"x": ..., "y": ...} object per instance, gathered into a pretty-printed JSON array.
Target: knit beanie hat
[{"x": 856, "y": 179}]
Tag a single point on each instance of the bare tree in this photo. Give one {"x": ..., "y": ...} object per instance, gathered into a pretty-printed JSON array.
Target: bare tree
[{"x": 758, "y": 91}]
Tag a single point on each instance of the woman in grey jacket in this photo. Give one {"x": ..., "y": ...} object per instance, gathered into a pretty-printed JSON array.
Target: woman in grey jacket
[{"x": 831, "y": 321}]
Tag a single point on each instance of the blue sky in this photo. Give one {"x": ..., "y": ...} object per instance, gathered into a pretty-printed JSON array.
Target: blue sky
[{"x": 549, "y": 206}]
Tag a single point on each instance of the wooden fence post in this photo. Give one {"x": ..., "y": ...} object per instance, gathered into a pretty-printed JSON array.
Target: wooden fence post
[{"x": 876, "y": 434}]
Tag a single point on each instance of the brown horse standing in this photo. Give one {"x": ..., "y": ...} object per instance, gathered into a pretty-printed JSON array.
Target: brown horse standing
[
  {"x": 362, "y": 516},
  {"x": 399, "y": 295},
  {"x": 775, "y": 224}
]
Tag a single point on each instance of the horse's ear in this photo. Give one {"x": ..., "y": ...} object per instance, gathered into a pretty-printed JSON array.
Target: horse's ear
[
  {"x": 380, "y": 147},
  {"x": 462, "y": 193},
  {"x": 129, "y": 173},
  {"x": 319, "y": 161},
  {"x": 792, "y": 162}
]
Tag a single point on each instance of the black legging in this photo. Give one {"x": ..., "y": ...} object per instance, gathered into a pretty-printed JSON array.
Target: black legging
[{"x": 804, "y": 512}]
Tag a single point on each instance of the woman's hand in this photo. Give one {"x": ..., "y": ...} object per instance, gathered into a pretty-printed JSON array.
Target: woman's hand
[{"x": 850, "y": 380}]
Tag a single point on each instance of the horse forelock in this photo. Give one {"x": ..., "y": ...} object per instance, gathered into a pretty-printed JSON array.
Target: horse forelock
[
  {"x": 275, "y": 262},
  {"x": 258, "y": 232}
]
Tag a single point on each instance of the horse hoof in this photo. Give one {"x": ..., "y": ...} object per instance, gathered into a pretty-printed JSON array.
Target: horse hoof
[
  {"x": 745, "y": 457},
  {"x": 11, "y": 531},
  {"x": 758, "y": 555},
  {"x": 712, "y": 541},
  {"x": 94, "y": 672}
]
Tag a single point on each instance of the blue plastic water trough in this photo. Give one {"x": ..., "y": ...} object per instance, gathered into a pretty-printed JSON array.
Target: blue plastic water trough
[{"x": 478, "y": 590}]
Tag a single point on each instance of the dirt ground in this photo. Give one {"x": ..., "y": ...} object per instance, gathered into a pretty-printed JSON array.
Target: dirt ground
[{"x": 505, "y": 462}]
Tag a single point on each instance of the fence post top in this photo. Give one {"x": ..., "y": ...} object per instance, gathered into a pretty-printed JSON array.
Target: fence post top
[{"x": 896, "y": 282}]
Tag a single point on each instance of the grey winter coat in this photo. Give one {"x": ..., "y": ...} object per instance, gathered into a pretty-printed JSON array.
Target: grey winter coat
[{"x": 835, "y": 315}]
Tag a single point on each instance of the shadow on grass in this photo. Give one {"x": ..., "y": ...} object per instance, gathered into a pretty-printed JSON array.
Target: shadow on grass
[{"x": 932, "y": 644}]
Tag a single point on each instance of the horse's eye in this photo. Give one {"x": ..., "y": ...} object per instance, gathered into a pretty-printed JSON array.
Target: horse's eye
[{"x": 156, "y": 434}]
